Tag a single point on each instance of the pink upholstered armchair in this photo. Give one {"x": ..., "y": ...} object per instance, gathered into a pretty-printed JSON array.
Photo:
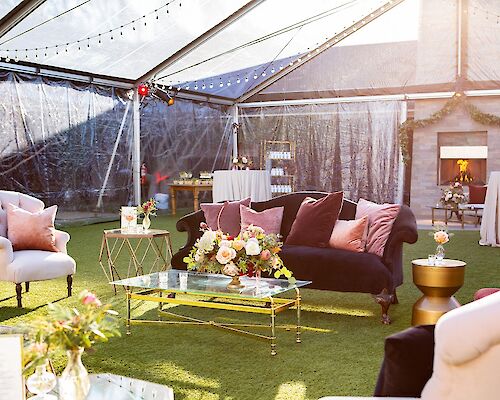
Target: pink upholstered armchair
[{"x": 31, "y": 265}]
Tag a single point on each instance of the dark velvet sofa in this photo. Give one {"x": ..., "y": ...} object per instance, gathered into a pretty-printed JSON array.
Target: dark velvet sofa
[{"x": 328, "y": 268}]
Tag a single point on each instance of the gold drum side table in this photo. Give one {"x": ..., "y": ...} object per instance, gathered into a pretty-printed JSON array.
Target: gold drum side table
[{"x": 438, "y": 284}]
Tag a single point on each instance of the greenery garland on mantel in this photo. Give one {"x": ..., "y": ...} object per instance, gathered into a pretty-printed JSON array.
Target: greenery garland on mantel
[{"x": 458, "y": 98}]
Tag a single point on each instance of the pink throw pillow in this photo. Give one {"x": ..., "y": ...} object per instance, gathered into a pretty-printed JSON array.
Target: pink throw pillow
[
  {"x": 269, "y": 220},
  {"x": 31, "y": 231},
  {"x": 229, "y": 220},
  {"x": 315, "y": 220},
  {"x": 381, "y": 217},
  {"x": 350, "y": 235}
]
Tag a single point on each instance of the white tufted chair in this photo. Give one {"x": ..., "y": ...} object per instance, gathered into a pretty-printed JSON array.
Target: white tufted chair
[{"x": 31, "y": 265}]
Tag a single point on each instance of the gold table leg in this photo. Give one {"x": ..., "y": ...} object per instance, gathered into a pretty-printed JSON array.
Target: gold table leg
[{"x": 298, "y": 340}]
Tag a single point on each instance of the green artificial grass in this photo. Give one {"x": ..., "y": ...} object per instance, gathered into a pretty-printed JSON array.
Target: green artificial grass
[{"x": 342, "y": 340}]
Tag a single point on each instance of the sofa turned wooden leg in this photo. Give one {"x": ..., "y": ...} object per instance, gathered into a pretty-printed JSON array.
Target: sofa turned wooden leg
[
  {"x": 27, "y": 284},
  {"x": 395, "y": 298},
  {"x": 385, "y": 300},
  {"x": 19, "y": 290},
  {"x": 69, "y": 279}
]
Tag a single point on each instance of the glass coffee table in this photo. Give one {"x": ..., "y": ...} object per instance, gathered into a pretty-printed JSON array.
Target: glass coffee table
[{"x": 258, "y": 295}]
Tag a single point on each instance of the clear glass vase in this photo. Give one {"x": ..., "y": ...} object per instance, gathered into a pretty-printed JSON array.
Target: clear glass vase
[
  {"x": 41, "y": 382},
  {"x": 440, "y": 254},
  {"x": 146, "y": 222},
  {"x": 74, "y": 383}
]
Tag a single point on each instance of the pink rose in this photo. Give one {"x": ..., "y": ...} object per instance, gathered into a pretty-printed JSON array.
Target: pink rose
[
  {"x": 91, "y": 298},
  {"x": 265, "y": 255}
]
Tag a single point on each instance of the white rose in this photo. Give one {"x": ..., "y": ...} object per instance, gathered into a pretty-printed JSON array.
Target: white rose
[
  {"x": 244, "y": 160},
  {"x": 199, "y": 256},
  {"x": 207, "y": 241},
  {"x": 226, "y": 243},
  {"x": 252, "y": 247},
  {"x": 230, "y": 269},
  {"x": 225, "y": 254},
  {"x": 235, "y": 160}
]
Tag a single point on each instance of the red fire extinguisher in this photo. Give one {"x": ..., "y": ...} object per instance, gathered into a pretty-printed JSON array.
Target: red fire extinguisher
[{"x": 144, "y": 172}]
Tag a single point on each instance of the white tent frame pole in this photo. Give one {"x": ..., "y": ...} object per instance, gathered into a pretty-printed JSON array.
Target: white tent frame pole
[
  {"x": 18, "y": 14},
  {"x": 136, "y": 152},
  {"x": 113, "y": 155},
  {"x": 236, "y": 123}
]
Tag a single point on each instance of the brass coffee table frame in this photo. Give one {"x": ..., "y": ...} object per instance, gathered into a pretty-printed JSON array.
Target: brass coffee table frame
[
  {"x": 269, "y": 306},
  {"x": 114, "y": 242}
]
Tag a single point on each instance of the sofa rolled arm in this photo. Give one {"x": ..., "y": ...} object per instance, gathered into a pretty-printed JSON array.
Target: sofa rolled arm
[
  {"x": 191, "y": 225},
  {"x": 469, "y": 331},
  {"x": 62, "y": 239},
  {"x": 6, "y": 251}
]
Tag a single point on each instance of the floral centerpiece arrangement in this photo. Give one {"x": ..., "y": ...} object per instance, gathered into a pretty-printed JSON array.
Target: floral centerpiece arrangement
[
  {"x": 72, "y": 330},
  {"x": 251, "y": 252},
  {"x": 453, "y": 195},
  {"x": 242, "y": 162},
  {"x": 147, "y": 208}
]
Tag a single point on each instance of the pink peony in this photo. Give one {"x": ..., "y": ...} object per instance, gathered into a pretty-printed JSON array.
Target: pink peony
[{"x": 91, "y": 298}]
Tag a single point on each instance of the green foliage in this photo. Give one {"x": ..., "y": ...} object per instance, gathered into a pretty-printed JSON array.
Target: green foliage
[{"x": 68, "y": 328}]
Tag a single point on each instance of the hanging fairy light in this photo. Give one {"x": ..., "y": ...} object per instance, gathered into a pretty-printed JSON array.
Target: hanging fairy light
[{"x": 79, "y": 44}]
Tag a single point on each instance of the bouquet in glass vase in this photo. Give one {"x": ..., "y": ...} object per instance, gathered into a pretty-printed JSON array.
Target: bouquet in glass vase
[
  {"x": 441, "y": 236},
  {"x": 251, "y": 252},
  {"x": 72, "y": 330},
  {"x": 146, "y": 209}
]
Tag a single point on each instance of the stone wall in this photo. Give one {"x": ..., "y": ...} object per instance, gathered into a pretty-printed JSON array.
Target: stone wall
[{"x": 425, "y": 190}]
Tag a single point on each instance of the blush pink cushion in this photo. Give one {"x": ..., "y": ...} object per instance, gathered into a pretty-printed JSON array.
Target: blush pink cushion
[
  {"x": 381, "y": 217},
  {"x": 350, "y": 235},
  {"x": 229, "y": 220},
  {"x": 269, "y": 220},
  {"x": 31, "y": 231}
]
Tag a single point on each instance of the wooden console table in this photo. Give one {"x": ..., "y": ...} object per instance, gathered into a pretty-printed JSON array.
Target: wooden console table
[{"x": 195, "y": 188}]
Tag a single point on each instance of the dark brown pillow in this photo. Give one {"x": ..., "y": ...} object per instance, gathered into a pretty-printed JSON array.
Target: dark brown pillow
[
  {"x": 477, "y": 194},
  {"x": 315, "y": 220}
]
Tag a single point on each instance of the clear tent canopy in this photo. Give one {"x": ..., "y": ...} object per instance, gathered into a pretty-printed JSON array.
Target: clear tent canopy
[{"x": 236, "y": 52}]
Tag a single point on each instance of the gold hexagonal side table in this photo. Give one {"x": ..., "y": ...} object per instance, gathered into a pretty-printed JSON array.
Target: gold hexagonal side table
[{"x": 438, "y": 284}]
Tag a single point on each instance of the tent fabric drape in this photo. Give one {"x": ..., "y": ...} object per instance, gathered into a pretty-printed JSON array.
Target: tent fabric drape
[
  {"x": 352, "y": 147},
  {"x": 58, "y": 138}
]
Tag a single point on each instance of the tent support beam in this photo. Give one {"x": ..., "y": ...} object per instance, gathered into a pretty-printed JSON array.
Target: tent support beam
[
  {"x": 136, "y": 149},
  {"x": 113, "y": 155},
  {"x": 320, "y": 49},
  {"x": 17, "y": 14},
  {"x": 199, "y": 40}
]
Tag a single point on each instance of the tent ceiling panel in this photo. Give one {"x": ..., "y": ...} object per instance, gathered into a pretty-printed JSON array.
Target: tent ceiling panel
[
  {"x": 394, "y": 53},
  {"x": 229, "y": 50},
  {"x": 124, "y": 53}
]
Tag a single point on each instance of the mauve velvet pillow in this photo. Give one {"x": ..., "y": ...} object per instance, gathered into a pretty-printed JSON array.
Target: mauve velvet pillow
[
  {"x": 350, "y": 235},
  {"x": 31, "y": 231},
  {"x": 381, "y": 217},
  {"x": 229, "y": 221},
  {"x": 269, "y": 220},
  {"x": 315, "y": 220}
]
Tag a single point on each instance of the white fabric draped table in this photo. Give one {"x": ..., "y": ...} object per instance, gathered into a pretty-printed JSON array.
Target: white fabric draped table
[
  {"x": 490, "y": 225},
  {"x": 237, "y": 185}
]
